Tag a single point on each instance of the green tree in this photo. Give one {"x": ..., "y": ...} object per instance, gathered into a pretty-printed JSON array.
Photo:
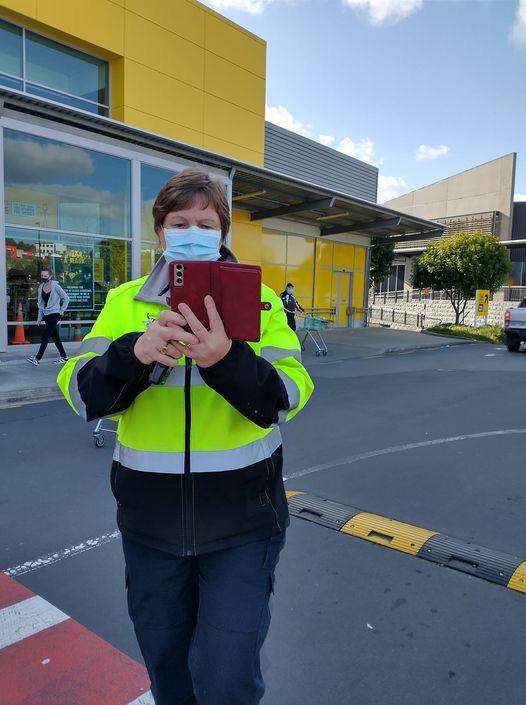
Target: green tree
[
  {"x": 382, "y": 257},
  {"x": 460, "y": 265}
]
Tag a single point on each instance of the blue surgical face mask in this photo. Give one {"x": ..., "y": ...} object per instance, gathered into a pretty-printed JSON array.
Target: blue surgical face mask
[
  {"x": 192, "y": 244},
  {"x": 289, "y": 290}
]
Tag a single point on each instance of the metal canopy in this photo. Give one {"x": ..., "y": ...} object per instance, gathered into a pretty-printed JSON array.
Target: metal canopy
[
  {"x": 304, "y": 207},
  {"x": 264, "y": 193}
]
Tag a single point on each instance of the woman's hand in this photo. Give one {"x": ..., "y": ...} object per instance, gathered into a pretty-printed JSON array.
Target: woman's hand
[
  {"x": 211, "y": 345},
  {"x": 158, "y": 343}
]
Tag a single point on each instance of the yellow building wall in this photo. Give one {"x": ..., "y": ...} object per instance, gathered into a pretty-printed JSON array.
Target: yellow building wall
[
  {"x": 177, "y": 68},
  {"x": 311, "y": 264},
  {"x": 246, "y": 238}
]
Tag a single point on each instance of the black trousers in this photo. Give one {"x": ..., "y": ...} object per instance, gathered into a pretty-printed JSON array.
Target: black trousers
[
  {"x": 291, "y": 320},
  {"x": 51, "y": 331},
  {"x": 201, "y": 621}
]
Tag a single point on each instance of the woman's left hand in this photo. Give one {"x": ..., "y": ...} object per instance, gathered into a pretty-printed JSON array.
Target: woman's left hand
[{"x": 213, "y": 344}]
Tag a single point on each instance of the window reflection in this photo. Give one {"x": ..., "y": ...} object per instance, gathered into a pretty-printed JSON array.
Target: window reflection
[
  {"x": 86, "y": 267},
  {"x": 51, "y": 184},
  {"x": 152, "y": 180},
  {"x": 41, "y": 66},
  {"x": 64, "y": 69},
  {"x": 10, "y": 50},
  {"x": 149, "y": 256}
]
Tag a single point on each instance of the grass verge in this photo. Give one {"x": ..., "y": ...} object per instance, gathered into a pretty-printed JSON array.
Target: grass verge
[{"x": 486, "y": 334}]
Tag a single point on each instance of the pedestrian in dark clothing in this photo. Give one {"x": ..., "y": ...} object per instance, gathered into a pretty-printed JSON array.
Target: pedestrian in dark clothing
[
  {"x": 52, "y": 302},
  {"x": 290, "y": 305}
]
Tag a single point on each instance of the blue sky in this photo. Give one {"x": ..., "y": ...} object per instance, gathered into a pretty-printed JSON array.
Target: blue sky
[{"x": 421, "y": 88}]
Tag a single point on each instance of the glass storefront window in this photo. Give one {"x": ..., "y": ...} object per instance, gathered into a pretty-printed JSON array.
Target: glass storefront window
[
  {"x": 10, "y": 55},
  {"x": 150, "y": 253},
  {"x": 152, "y": 180},
  {"x": 67, "y": 71},
  {"x": 58, "y": 186},
  {"x": 52, "y": 70},
  {"x": 394, "y": 282},
  {"x": 85, "y": 267}
]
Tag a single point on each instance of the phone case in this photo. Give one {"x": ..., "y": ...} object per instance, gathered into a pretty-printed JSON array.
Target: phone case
[{"x": 235, "y": 288}]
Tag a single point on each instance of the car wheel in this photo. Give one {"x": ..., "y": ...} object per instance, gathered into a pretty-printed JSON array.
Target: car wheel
[{"x": 514, "y": 345}]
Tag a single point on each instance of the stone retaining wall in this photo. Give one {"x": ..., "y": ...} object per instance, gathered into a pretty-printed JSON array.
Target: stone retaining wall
[{"x": 436, "y": 312}]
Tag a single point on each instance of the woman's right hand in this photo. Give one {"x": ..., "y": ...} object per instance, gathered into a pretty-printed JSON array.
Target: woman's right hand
[{"x": 168, "y": 326}]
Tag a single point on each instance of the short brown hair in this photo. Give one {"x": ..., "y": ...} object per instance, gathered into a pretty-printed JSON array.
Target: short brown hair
[{"x": 182, "y": 190}]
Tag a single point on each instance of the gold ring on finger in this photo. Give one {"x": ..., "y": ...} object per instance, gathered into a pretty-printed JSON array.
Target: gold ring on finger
[{"x": 163, "y": 350}]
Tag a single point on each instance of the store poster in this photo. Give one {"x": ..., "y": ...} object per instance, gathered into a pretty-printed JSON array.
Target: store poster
[{"x": 76, "y": 277}]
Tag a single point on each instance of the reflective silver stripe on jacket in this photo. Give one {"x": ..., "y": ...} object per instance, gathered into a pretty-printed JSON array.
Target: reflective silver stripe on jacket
[
  {"x": 176, "y": 377},
  {"x": 97, "y": 345},
  {"x": 200, "y": 460},
  {"x": 73, "y": 388},
  {"x": 293, "y": 393},
  {"x": 272, "y": 354}
]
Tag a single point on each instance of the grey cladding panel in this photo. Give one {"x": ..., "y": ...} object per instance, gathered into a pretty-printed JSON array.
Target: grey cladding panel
[{"x": 297, "y": 156}]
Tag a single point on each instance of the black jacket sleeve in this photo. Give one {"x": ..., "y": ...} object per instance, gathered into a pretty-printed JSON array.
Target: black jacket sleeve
[
  {"x": 110, "y": 382},
  {"x": 249, "y": 383}
]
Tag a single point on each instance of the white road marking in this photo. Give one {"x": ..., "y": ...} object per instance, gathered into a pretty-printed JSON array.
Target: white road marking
[
  {"x": 145, "y": 699},
  {"x": 87, "y": 545},
  {"x": 51, "y": 558},
  {"x": 26, "y": 618},
  {"x": 349, "y": 460}
]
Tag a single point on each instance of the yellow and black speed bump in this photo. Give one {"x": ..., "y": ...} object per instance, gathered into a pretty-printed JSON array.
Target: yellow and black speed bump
[
  {"x": 321, "y": 511},
  {"x": 495, "y": 566},
  {"x": 479, "y": 561}
]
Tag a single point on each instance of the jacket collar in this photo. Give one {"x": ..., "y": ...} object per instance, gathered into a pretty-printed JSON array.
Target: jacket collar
[{"x": 155, "y": 288}]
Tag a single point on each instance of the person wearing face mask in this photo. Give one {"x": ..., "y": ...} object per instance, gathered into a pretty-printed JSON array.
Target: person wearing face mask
[
  {"x": 197, "y": 467},
  {"x": 290, "y": 305},
  {"x": 52, "y": 302}
]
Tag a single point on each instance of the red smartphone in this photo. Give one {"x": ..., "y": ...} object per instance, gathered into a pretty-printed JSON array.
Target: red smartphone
[{"x": 235, "y": 288}]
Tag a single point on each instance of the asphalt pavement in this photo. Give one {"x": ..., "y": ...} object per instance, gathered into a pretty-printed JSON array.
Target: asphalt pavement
[
  {"x": 21, "y": 381},
  {"x": 352, "y": 621}
]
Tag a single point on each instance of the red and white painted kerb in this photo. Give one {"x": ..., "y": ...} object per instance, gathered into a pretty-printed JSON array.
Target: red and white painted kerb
[{"x": 47, "y": 658}]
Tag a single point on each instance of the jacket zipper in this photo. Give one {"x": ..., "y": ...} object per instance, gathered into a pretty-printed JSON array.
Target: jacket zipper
[{"x": 188, "y": 509}]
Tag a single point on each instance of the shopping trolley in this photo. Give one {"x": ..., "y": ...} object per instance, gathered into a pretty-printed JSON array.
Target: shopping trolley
[
  {"x": 313, "y": 325},
  {"x": 98, "y": 433}
]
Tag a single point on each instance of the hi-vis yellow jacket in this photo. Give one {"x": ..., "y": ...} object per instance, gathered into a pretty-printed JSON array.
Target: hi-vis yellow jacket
[{"x": 197, "y": 462}]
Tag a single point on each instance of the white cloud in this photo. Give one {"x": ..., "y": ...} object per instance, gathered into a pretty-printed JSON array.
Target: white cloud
[
  {"x": 279, "y": 115},
  {"x": 426, "y": 152},
  {"x": 390, "y": 187},
  {"x": 519, "y": 197},
  {"x": 518, "y": 31},
  {"x": 25, "y": 159},
  {"x": 363, "y": 149},
  {"x": 254, "y": 7},
  {"x": 382, "y": 12},
  {"x": 327, "y": 140}
]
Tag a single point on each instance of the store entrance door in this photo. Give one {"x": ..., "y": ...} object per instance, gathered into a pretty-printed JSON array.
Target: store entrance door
[{"x": 344, "y": 282}]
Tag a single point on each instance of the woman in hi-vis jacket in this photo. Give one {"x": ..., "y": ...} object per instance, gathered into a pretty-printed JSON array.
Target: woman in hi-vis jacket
[{"x": 197, "y": 467}]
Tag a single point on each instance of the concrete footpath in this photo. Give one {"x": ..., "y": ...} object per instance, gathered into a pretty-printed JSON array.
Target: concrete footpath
[{"x": 21, "y": 382}]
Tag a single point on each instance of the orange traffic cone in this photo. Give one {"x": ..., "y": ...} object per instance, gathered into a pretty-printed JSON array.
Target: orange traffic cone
[
  {"x": 77, "y": 335},
  {"x": 19, "y": 337}
]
